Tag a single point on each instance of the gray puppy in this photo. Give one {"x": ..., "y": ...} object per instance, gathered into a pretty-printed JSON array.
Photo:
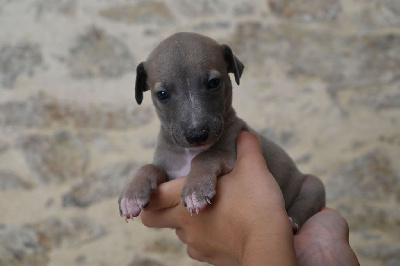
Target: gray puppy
[{"x": 188, "y": 77}]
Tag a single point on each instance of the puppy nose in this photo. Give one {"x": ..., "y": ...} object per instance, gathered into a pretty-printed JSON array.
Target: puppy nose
[{"x": 197, "y": 135}]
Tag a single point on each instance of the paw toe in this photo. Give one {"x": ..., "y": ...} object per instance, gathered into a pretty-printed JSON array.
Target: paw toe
[
  {"x": 130, "y": 208},
  {"x": 194, "y": 204},
  {"x": 295, "y": 226}
]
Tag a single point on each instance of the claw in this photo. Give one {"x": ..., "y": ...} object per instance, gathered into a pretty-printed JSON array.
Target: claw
[
  {"x": 208, "y": 200},
  {"x": 295, "y": 227}
]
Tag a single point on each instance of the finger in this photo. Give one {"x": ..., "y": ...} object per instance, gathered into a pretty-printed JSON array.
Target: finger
[
  {"x": 165, "y": 206},
  {"x": 181, "y": 234},
  {"x": 330, "y": 221},
  {"x": 247, "y": 143},
  {"x": 248, "y": 149},
  {"x": 337, "y": 222},
  {"x": 194, "y": 254},
  {"x": 167, "y": 196},
  {"x": 165, "y": 218}
]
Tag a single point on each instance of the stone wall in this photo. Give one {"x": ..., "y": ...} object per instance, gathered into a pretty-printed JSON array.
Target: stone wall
[{"x": 322, "y": 79}]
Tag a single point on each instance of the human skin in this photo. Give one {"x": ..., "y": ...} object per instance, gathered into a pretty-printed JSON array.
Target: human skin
[
  {"x": 324, "y": 240},
  {"x": 247, "y": 224}
]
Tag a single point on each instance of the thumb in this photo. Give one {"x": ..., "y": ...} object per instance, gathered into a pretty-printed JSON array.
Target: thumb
[
  {"x": 251, "y": 164},
  {"x": 248, "y": 148}
]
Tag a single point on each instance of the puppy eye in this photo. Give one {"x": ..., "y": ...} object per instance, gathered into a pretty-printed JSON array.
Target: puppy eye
[
  {"x": 214, "y": 83},
  {"x": 162, "y": 95}
]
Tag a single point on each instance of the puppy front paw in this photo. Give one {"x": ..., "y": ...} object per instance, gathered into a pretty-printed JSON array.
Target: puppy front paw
[
  {"x": 133, "y": 199},
  {"x": 197, "y": 195},
  {"x": 136, "y": 195}
]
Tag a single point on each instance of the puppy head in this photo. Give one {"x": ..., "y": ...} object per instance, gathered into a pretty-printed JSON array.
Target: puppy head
[{"x": 188, "y": 76}]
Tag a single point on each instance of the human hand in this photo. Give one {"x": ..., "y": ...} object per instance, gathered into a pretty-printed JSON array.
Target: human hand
[
  {"x": 246, "y": 224},
  {"x": 245, "y": 231},
  {"x": 324, "y": 240}
]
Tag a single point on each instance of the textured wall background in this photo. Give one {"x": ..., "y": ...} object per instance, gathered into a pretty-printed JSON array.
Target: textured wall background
[{"x": 322, "y": 79}]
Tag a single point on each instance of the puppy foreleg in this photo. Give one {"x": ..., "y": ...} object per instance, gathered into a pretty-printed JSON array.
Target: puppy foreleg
[
  {"x": 136, "y": 194},
  {"x": 199, "y": 186}
]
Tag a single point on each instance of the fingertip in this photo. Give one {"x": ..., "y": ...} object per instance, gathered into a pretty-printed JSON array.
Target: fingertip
[
  {"x": 332, "y": 219},
  {"x": 340, "y": 222},
  {"x": 247, "y": 142},
  {"x": 246, "y": 135}
]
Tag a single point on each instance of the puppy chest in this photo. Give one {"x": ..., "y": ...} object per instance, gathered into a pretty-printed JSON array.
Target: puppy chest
[{"x": 178, "y": 164}]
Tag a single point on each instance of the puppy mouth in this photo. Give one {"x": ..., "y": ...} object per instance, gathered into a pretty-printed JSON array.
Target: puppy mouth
[
  {"x": 193, "y": 146},
  {"x": 200, "y": 147},
  {"x": 204, "y": 145}
]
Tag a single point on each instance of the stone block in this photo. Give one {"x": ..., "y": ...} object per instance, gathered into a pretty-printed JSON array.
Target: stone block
[
  {"x": 369, "y": 176},
  {"x": 19, "y": 245},
  {"x": 98, "y": 54},
  {"x": 56, "y": 158},
  {"x": 144, "y": 12},
  {"x": 41, "y": 110},
  {"x": 306, "y": 10},
  {"x": 54, "y": 232},
  {"x": 19, "y": 59},
  {"x": 11, "y": 181}
]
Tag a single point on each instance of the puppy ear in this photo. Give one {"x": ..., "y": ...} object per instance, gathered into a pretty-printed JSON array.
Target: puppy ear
[
  {"x": 234, "y": 65},
  {"x": 140, "y": 86}
]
